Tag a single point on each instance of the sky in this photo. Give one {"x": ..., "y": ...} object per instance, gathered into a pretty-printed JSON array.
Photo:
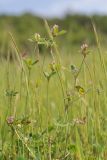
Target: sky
[{"x": 53, "y": 8}]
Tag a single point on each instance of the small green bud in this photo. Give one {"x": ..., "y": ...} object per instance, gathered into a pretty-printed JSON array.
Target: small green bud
[
  {"x": 55, "y": 30},
  {"x": 37, "y": 37},
  {"x": 52, "y": 66}
]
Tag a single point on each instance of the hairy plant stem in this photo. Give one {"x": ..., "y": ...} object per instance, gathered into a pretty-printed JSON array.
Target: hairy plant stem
[
  {"x": 27, "y": 92},
  {"x": 24, "y": 143}
]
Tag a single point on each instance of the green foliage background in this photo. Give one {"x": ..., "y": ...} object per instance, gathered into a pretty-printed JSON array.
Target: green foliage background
[{"x": 79, "y": 30}]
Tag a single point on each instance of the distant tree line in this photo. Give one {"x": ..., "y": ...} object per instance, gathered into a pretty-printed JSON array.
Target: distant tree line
[{"x": 79, "y": 29}]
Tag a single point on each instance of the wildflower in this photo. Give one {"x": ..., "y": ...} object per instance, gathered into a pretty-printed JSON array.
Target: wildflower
[
  {"x": 10, "y": 120},
  {"x": 80, "y": 121},
  {"x": 37, "y": 37},
  {"x": 80, "y": 90},
  {"x": 55, "y": 30},
  {"x": 84, "y": 50}
]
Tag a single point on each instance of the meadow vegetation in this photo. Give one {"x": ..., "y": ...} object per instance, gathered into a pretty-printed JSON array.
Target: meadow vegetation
[
  {"x": 53, "y": 106},
  {"x": 79, "y": 30}
]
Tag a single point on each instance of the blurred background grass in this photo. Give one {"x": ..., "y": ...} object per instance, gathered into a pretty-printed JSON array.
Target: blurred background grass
[{"x": 79, "y": 30}]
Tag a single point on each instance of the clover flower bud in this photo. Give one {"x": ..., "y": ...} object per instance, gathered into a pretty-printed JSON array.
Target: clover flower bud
[
  {"x": 10, "y": 120},
  {"x": 84, "y": 48}
]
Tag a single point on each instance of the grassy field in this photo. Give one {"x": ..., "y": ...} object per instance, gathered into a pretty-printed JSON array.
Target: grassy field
[{"x": 54, "y": 107}]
